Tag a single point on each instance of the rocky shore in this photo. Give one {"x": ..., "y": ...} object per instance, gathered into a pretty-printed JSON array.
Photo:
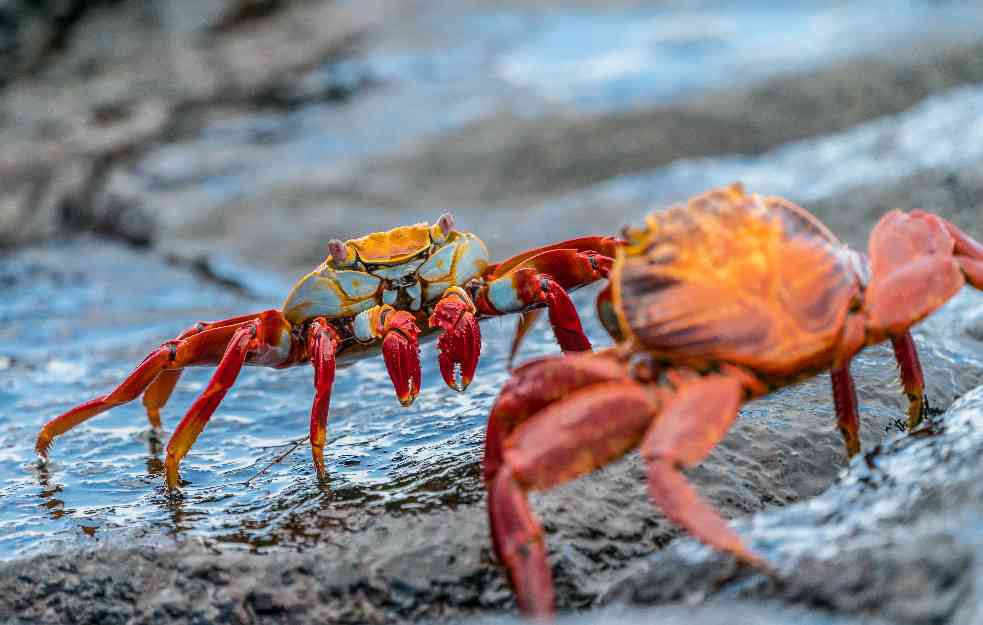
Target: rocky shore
[{"x": 229, "y": 167}]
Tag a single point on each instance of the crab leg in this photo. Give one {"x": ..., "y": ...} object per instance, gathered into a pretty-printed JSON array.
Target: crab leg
[
  {"x": 692, "y": 422},
  {"x": 200, "y": 349},
  {"x": 460, "y": 344},
  {"x": 322, "y": 342},
  {"x": 967, "y": 250},
  {"x": 912, "y": 378},
  {"x": 539, "y": 437},
  {"x": 201, "y": 410},
  {"x": 159, "y": 391},
  {"x": 400, "y": 346},
  {"x": 542, "y": 278}
]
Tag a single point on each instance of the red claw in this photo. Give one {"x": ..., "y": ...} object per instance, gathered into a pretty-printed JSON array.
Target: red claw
[
  {"x": 460, "y": 344},
  {"x": 401, "y": 351}
]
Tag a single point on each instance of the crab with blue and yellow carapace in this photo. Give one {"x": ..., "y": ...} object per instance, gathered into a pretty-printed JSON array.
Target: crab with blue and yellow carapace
[{"x": 384, "y": 289}]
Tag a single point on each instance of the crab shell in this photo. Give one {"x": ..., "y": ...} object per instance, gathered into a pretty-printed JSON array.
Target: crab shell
[
  {"x": 734, "y": 278},
  {"x": 407, "y": 267}
]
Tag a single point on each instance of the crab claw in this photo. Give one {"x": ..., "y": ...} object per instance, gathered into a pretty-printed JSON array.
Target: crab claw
[
  {"x": 401, "y": 351},
  {"x": 460, "y": 344}
]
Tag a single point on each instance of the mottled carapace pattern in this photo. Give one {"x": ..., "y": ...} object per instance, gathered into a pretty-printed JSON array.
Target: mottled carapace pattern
[{"x": 737, "y": 278}]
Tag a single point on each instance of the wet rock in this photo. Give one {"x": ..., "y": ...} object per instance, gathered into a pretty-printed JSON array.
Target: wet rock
[
  {"x": 955, "y": 193},
  {"x": 141, "y": 72},
  {"x": 506, "y": 171},
  {"x": 511, "y": 157},
  {"x": 898, "y": 537},
  {"x": 709, "y": 613}
]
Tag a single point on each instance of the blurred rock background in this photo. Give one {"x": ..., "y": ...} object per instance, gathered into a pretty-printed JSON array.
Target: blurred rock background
[{"x": 261, "y": 128}]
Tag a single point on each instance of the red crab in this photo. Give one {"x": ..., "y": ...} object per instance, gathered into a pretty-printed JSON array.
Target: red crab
[
  {"x": 713, "y": 303},
  {"x": 382, "y": 290}
]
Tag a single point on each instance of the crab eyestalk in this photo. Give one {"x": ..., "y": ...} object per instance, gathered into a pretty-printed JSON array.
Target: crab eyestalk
[
  {"x": 460, "y": 344},
  {"x": 401, "y": 351}
]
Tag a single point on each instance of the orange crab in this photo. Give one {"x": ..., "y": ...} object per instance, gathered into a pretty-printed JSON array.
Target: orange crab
[
  {"x": 383, "y": 291},
  {"x": 713, "y": 303}
]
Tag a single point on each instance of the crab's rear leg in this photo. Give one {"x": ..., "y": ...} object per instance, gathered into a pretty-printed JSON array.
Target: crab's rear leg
[
  {"x": 202, "y": 348},
  {"x": 544, "y": 279},
  {"x": 267, "y": 331},
  {"x": 160, "y": 390}
]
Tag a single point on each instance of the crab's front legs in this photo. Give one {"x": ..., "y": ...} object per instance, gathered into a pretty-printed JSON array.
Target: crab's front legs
[
  {"x": 544, "y": 280},
  {"x": 400, "y": 346},
  {"x": 460, "y": 343},
  {"x": 322, "y": 345}
]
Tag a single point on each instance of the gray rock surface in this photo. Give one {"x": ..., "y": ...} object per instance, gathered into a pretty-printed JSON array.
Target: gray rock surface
[
  {"x": 898, "y": 537},
  {"x": 143, "y": 71}
]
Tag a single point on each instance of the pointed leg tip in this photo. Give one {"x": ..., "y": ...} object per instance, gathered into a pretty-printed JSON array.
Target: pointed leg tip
[
  {"x": 406, "y": 400},
  {"x": 171, "y": 475},
  {"x": 42, "y": 446}
]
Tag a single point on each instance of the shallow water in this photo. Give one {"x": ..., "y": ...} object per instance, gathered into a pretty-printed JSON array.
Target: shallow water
[{"x": 77, "y": 317}]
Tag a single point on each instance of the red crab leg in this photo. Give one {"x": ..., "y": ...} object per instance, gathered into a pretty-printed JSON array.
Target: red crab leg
[
  {"x": 322, "y": 342},
  {"x": 401, "y": 352},
  {"x": 543, "y": 279},
  {"x": 913, "y": 272},
  {"x": 967, "y": 250},
  {"x": 528, "y": 446},
  {"x": 159, "y": 391},
  {"x": 460, "y": 344},
  {"x": 586, "y": 430},
  {"x": 201, "y": 410},
  {"x": 692, "y": 422},
  {"x": 844, "y": 392},
  {"x": 847, "y": 414},
  {"x": 202, "y": 348},
  {"x": 912, "y": 378}
]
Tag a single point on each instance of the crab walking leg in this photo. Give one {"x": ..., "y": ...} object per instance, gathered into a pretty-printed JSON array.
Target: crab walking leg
[
  {"x": 543, "y": 280},
  {"x": 912, "y": 378},
  {"x": 322, "y": 341},
  {"x": 159, "y": 391},
  {"x": 569, "y": 438},
  {"x": 202, "y": 348},
  {"x": 847, "y": 414},
  {"x": 691, "y": 423},
  {"x": 201, "y": 410},
  {"x": 460, "y": 343},
  {"x": 852, "y": 339}
]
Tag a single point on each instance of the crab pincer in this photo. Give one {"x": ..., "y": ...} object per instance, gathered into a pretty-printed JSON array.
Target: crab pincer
[
  {"x": 401, "y": 351},
  {"x": 460, "y": 343}
]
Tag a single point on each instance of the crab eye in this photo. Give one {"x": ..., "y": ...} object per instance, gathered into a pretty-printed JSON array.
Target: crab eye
[
  {"x": 338, "y": 251},
  {"x": 446, "y": 223}
]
